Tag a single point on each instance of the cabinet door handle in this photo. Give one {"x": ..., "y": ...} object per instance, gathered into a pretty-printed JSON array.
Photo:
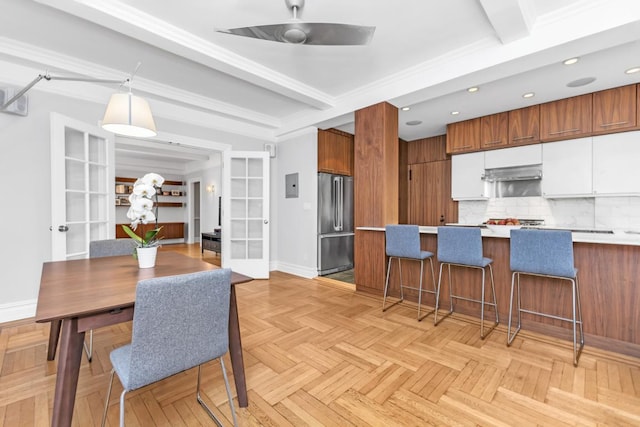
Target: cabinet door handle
[
  {"x": 464, "y": 147},
  {"x": 518, "y": 138},
  {"x": 604, "y": 125},
  {"x": 564, "y": 131},
  {"x": 492, "y": 142}
]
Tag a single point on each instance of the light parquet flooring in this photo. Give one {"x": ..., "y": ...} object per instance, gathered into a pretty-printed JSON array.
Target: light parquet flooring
[{"x": 319, "y": 354}]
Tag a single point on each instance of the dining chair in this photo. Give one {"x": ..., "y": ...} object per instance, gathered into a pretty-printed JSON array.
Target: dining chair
[
  {"x": 403, "y": 243},
  {"x": 462, "y": 247},
  {"x": 545, "y": 253},
  {"x": 104, "y": 248},
  {"x": 179, "y": 322}
]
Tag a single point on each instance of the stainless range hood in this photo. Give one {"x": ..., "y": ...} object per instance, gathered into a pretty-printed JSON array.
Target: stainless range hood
[{"x": 518, "y": 181}]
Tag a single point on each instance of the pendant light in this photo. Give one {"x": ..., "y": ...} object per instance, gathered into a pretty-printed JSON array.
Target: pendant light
[{"x": 129, "y": 115}]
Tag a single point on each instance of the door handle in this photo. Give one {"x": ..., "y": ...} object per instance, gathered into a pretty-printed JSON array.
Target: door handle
[
  {"x": 266, "y": 221},
  {"x": 63, "y": 228}
]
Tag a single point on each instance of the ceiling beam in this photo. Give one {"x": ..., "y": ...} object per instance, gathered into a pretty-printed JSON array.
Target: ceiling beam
[
  {"x": 512, "y": 20},
  {"x": 145, "y": 27}
]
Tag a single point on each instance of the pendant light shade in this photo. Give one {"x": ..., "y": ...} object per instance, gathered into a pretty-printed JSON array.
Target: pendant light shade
[{"x": 129, "y": 115}]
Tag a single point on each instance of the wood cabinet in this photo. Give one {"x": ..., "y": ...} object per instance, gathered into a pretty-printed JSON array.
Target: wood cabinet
[
  {"x": 429, "y": 194},
  {"x": 566, "y": 118},
  {"x": 170, "y": 230},
  {"x": 463, "y": 136},
  {"x": 616, "y": 109},
  {"x": 335, "y": 152},
  {"x": 524, "y": 125},
  {"x": 494, "y": 130}
]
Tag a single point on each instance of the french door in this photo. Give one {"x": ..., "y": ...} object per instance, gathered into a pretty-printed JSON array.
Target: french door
[
  {"x": 245, "y": 213},
  {"x": 82, "y": 194}
]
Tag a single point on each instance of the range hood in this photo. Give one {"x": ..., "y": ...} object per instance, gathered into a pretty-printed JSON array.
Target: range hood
[
  {"x": 516, "y": 181},
  {"x": 516, "y": 173}
]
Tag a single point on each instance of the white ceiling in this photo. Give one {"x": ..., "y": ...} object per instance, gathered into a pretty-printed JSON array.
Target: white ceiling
[{"x": 424, "y": 54}]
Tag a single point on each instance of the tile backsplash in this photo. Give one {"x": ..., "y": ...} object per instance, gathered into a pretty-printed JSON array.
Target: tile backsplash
[{"x": 621, "y": 213}]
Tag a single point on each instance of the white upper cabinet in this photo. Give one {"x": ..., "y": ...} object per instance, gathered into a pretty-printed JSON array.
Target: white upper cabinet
[
  {"x": 616, "y": 164},
  {"x": 567, "y": 168},
  {"x": 466, "y": 176},
  {"x": 515, "y": 156}
]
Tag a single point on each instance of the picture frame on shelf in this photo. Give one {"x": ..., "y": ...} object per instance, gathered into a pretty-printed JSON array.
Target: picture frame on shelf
[{"x": 176, "y": 193}]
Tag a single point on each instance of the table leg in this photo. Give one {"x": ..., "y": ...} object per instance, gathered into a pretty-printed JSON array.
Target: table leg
[
  {"x": 54, "y": 334},
  {"x": 235, "y": 350},
  {"x": 68, "y": 370}
]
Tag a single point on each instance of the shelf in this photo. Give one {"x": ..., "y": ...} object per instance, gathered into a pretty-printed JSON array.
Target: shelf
[{"x": 123, "y": 191}]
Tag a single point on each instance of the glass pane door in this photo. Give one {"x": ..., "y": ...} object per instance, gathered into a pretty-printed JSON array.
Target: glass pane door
[
  {"x": 82, "y": 176},
  {"x": 245, "y": 231}
]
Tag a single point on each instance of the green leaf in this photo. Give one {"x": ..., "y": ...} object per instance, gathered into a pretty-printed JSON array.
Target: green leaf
[{"x": 133, "y": 235}]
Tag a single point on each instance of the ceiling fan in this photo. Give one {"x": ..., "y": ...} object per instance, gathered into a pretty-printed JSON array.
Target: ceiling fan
[{"x": 312, "y": 33}]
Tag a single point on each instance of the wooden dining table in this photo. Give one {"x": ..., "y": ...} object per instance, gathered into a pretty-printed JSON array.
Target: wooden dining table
[{"x": 79, "y": 295}]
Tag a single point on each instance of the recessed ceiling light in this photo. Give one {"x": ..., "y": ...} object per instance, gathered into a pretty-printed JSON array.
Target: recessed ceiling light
[
  {"x": 570, "y": 61},
  {"x": 529, "y": 95},
  {"x": 473, "y": 89},
  {"x": 581, "y": 82},
  {"x": 455, "y": 113},
  {"x": 632, "y": 70},
  {"x": 406, "y": 108},
  {"x": 414, "y": 122}
]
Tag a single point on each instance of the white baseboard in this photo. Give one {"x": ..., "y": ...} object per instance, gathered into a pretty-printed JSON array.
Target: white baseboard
[
  {"x": 297, "y": 270},
  {"x": 17, "y": 310}
]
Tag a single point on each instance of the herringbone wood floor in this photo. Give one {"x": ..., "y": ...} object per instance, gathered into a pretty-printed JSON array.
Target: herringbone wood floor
[{"x": 318, "y": 353}]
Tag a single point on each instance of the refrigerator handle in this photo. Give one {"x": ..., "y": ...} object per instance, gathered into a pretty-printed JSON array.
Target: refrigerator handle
[
  {"x": 341, "y": 204},
  {"x": 337, "y": 203}
]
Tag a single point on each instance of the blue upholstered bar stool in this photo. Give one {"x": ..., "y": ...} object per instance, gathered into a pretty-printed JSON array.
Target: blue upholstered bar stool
[
  {"x": 547, "y": 253},
  {"x": 462, "y": 247},
  {"x": 403, "y": 243}
]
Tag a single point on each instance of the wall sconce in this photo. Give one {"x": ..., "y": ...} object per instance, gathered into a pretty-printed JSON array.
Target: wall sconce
[{"x": 211, "y": 188}]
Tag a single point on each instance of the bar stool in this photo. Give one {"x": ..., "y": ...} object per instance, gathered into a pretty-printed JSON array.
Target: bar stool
[
  {"x": 462, "y": 247},
  {"x": 403, "y": 243},
  {"x": 546, "y": 253}
]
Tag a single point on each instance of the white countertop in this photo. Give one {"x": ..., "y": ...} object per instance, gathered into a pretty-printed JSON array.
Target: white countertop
[{"x": 617, "y": 238}]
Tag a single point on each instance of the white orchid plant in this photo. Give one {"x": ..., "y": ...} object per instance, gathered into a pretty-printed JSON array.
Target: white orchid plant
[{"x": 141, "y": 211}]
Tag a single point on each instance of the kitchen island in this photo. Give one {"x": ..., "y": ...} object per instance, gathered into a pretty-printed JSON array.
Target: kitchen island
[{"x": 608, "y": 270}]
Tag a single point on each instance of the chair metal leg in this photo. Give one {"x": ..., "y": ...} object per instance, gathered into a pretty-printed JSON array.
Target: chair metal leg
[
  {"x": 204, "y": 405},
  {"x": 89, "y": 350},
  {"x": 434, "y": 292},
  {"x": 106, "y": 402},
  {"x": 122, "y": 407},
  {"x": 509, "y": 336}
]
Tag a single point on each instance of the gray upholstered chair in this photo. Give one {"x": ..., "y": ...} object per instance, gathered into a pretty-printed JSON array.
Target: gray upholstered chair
[
  {"x": 111, "y": 247},
  {"x": 104, "y": 248},
  {"x": 179, "y": 322},
  {"x": 547, "y": 253},
  {"x": 462, "y": 247},
  {"x": 403, "y": 243}
]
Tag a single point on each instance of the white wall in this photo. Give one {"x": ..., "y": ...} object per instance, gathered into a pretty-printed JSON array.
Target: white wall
[
  {"x": 295, "y": 233},
  {"x": 25, "y": 208}
]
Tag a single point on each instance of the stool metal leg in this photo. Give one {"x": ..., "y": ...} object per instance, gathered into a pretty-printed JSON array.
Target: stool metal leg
[
  {"x": 515, "y": 276},
  {"x": 483, "y": 303},
  {"x": 386, "y": 286},
  {"x": 577, "y": 351},
  {"x": 435, "y": 315},
  {"x": 420, "y": 289}
]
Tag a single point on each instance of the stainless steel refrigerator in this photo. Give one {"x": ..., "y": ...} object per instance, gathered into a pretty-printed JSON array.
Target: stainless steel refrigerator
[{"x": 335, "y": 223}]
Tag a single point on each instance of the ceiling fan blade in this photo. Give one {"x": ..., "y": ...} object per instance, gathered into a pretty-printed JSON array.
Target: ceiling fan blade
[{"x": 315, "y": 33}]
